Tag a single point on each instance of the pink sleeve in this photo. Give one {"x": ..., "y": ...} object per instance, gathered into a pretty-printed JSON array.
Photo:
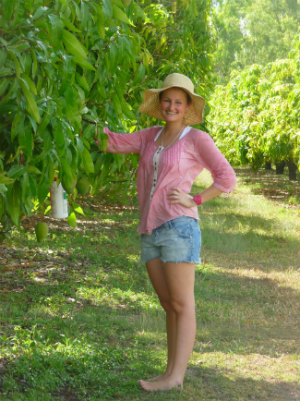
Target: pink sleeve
[
  {"x": 124, "y": 143},
  {"x": 213, "y": 160}
]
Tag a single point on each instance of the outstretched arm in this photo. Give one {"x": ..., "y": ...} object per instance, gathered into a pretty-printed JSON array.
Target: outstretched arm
[{"x": 124, "y": 143}]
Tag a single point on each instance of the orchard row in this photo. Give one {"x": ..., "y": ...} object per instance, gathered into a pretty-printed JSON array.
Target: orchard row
[{"x": 255, "y": 118}]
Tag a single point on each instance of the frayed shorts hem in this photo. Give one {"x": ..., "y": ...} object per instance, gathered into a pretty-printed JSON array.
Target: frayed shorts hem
[{"x": 172, "y": 261}]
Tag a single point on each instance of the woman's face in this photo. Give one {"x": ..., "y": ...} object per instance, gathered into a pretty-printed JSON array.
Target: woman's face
[{"x": 173, "y": 104}]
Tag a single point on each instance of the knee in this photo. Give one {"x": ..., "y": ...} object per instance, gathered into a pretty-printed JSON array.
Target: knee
[
  {"x": 177, "y": 306},
  {"x": 166, "y": 304},
  {"x": 183, "y": 307}
]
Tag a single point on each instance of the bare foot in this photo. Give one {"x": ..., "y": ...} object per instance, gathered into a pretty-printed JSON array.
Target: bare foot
[
  {"x": 166, "y": 384},
  {"x": 165, "y": 375}
]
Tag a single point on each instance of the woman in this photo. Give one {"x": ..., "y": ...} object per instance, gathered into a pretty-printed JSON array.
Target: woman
[{"x": 171, "y": 158}]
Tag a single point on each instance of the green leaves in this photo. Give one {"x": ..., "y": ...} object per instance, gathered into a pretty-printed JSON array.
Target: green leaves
[
  {"x": 83, "y": 63},
  {"x": 7, "y": 9},
  {"x": 253, "y": 118},
  {"x": 103, "y": 140},
  {"x": 87, "y": 161},
  {"x": 73, "y": 45},
  {"x": 4, "y": 72},
  {"x": 140, "y": 73},
  {"x": 31, "y": 105},
  {"x": 56, "y": 30},
  {"x": 26, "y": 139},
  {"x": 268, "y": 43},
  {"x": 5, "y": 180},
  {"x": 117, "y": 104},
  {"x": 107, "y": 9},
  {"x": 46, "y": 116},
  {"x": 67, "y": 170},
  {"x": 120, "y": 15},
  {"x": 17, "y": 124},
  {"x": 84, "y": 14},
  {"x": 29, "y": 83},
  {"x": 14, "y": 203},
  {"x": 72, "y": 220},
  {"x": 113, "y": 57},
  {"x": 16, "y": 62},
  {"x": 100, "y": 22},
  {"x": 3, "y": 85},
  {"x": 16, "y": 171}
]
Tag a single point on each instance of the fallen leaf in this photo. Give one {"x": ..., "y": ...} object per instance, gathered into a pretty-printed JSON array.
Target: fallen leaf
[
  {"x": 19, "y": 289},
  {"x": 11, "y": 268}
]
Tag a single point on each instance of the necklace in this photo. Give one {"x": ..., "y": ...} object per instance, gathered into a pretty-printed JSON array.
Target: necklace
[{"x": 176, "y": 137}]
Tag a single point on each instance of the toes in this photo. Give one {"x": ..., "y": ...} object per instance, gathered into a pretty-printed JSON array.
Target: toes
[
  {"x": 160, "y": 385},
  {"x": 144, "y": 384}
]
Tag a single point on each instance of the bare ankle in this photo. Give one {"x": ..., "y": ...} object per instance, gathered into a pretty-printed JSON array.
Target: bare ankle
[{"x": 163, "y": 376}]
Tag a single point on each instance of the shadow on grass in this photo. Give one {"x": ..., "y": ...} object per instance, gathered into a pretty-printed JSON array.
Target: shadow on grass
[
  {"x": 272, "y": 186},
  {"x": 267, "y": 252},
  {"x": 259, "y": 313},
  {"x": 223, "y": 384}
]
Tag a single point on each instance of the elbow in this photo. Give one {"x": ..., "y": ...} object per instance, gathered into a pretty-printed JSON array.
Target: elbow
[{"x": 226, "y": 183}]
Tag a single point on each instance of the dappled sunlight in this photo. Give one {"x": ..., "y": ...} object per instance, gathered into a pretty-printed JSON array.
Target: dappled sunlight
[
  {"x": 133, "y": 258},
  {"x": 275, "y": 187},
  {"x": 243, "y": 298},
  {"x": 250, "y": 365},
  {"x": 253, "y": 229},
  {"x": 115, "y": 297},
  {"x": 104, "y": 237},
  {"x": 289, "y": 278}
]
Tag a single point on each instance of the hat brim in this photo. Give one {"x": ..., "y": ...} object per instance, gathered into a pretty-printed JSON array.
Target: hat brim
[{"x": 151, "y": 105}]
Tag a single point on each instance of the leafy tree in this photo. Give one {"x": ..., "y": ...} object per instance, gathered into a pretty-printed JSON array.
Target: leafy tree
[
  {"x": 57, "y": 69},
  {"x": 248, "y": 32},
  {"x": 255, "y": 117},
  {"x": 67, "y": 68}
]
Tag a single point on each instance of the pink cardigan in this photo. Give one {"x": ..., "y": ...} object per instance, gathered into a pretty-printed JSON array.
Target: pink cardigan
[{"x": 179, "y": 165}]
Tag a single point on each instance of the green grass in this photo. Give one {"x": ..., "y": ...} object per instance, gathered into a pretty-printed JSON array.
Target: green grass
[{"x": 79, "y": 319}]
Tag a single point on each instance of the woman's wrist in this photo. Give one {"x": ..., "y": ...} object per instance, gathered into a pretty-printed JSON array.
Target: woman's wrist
[
  {"x": 197, "y": 199},
  {"x": 191, "y": 201}
]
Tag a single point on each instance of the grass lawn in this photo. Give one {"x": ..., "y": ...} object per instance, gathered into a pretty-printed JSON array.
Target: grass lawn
[{"x": 79, "y": 320}]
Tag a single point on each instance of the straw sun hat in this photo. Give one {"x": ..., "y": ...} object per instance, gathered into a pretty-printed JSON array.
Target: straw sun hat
[{"x": 151, "y": 104}]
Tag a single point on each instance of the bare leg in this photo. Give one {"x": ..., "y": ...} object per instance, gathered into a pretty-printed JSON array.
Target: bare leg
[
  {"x": 179, "y": 278},
  {"x": 157, "y": 277}
]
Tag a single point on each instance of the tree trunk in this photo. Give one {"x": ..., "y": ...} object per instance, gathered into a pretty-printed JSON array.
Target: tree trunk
[
  {"x": 280, "y": 167},
  {"x": 292, "y": 170},
  {"x": 268, "y": 166}
]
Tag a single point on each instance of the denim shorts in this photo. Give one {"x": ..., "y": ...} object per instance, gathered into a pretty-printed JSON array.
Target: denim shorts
[{"x": 177, "y": 240}]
